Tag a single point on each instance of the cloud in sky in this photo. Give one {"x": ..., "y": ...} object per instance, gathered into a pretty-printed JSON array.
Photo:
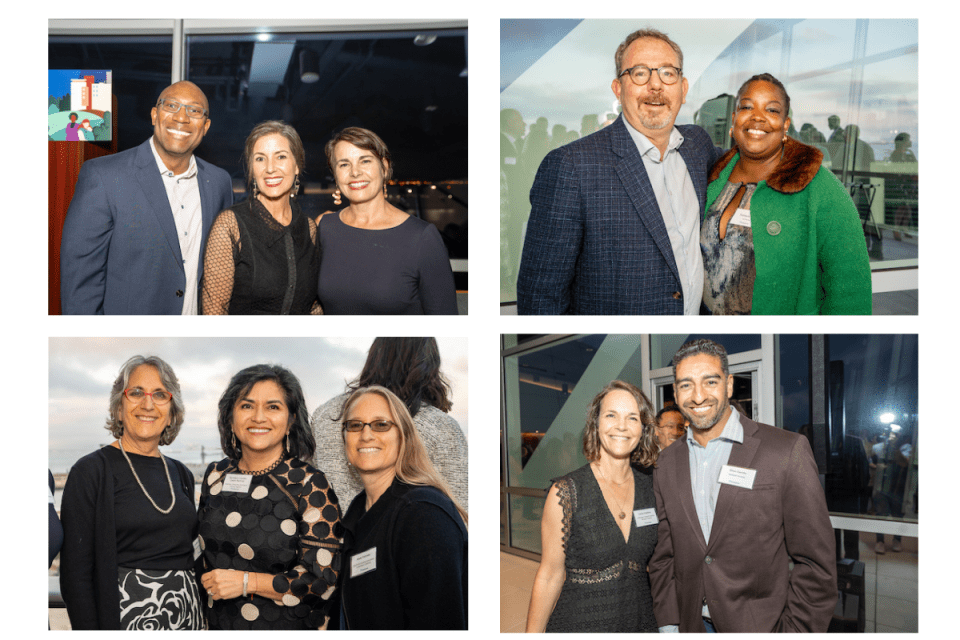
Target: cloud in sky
[{"x": 83, "y": 369}]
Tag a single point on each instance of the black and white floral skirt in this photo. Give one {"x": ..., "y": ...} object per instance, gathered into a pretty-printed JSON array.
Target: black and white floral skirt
[{"x": 159, "y": 599}]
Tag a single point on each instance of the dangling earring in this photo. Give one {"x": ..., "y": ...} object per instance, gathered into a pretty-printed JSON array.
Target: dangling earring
[
  {"x": 255, "y": 189},
  {"x": 233, "y": 443},
  {"x": 296, "y": 185},
  {"x": 336, "y": 197},
  {"x": 286, "y": 442}
]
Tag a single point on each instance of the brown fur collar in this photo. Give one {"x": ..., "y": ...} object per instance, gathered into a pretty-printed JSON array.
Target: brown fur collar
[{"x": 796, "y": 170}]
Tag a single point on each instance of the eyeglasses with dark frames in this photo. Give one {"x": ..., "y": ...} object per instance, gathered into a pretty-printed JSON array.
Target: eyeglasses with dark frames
[
  {"x": 137, "y": 395},
  {"x": 380, "y": 426},
  {"x": 641, "y": 74},
  {"x": 172, "y": 106}
]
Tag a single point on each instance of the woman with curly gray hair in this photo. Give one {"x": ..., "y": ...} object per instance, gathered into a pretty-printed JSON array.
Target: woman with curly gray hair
[{"x": 128, "y": 514}]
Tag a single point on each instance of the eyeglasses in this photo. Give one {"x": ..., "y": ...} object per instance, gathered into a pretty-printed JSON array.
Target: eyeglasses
[
  {"x": 171, "y": 106},
  {"x": 379, "y": 426},
  {"x": 641, "y": 74},
  {"x": 137, "y": 396}
]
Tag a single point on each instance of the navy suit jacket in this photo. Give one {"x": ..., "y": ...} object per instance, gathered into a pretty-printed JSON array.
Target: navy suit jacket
[
  {"x": 743, "y": 572},
  {"x": 120, "y": 253},
  {"x": 596, "y": 243}
]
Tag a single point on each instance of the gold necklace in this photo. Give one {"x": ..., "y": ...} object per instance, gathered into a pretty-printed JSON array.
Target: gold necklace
[
  {"x": 173, "y": 496},
  {"x": 623, "y": 514}
]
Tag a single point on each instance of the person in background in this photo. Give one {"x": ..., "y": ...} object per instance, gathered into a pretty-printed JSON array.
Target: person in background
[
  {"x": 129, "y": 521},
  {"x": 269, "y": 522},
  {"x": 405, "y": 540},
  {"x": 410, "y": 368},
  {"x": 376, "y": 259},
  {"x": 599, "y": 525},
  {"x": 671, "y": 426},
  {"x": 262, "y": 255}
]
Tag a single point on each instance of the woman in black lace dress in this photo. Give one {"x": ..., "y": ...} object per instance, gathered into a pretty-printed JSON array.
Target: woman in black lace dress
[
  {"x": 262, "y": 255},
  {"x": 599, "y": 525},
  {"x": 269, "y": 522}
]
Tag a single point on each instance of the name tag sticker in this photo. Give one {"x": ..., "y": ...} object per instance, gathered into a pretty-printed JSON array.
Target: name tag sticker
[
  {"x": 741, "y": 217},
  {"x": 509, "y": 161},
  {"x": 237, "y": 482},
  {"x": 363, "y": 562},
  {"x": 737, "y": 476},
  {"x": 645, "y": 517},
  {"x": 196, "y": 548}
]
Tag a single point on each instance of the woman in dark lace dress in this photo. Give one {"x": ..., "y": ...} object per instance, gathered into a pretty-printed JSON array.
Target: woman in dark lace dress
[
  {"x": 262, "y": 255},
  {"x": 599, "y": 525}
]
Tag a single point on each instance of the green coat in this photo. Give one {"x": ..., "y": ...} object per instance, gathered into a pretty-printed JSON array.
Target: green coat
[{"x": 811, "y": 254}]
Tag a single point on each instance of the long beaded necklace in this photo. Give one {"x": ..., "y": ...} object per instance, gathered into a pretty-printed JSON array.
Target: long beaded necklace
[
  {"x": 173, "y": 496},
  {"x": 623, "y": 514}
]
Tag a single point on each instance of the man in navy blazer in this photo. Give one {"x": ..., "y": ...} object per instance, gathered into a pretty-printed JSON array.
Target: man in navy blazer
[
  {"x": 615, "y": 220},
  {"x": 737, "y": 502},
  {"x": 134, "y": 235}
]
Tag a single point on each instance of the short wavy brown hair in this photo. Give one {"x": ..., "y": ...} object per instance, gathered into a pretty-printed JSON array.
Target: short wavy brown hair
[
  {"x": 362, "y": 139},
  {"x": 647, "y": 450}
]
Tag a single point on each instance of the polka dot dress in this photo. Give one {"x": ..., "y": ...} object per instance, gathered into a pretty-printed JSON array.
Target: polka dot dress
[{"x": 286, "y": 524}]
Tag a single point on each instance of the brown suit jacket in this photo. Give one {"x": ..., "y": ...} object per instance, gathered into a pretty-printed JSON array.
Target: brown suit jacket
[{"x": 743, "y": 572}]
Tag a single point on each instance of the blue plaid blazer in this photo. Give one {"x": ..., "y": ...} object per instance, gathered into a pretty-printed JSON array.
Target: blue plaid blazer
[{"x": 596, "y": 243}]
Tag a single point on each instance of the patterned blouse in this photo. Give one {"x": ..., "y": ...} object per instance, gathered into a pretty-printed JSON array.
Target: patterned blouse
[{"x": 285, "y": 522}]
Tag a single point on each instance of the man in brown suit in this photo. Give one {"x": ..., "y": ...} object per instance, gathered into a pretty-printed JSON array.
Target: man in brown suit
[{"x": 737, "y": 500}]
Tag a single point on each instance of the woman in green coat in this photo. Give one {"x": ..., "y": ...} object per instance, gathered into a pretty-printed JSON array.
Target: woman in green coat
[{"x": 781, "y": 235}]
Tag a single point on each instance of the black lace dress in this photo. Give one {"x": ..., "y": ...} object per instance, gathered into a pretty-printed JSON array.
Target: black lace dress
[
  {"x": 254, "y": 265},
  {"x": 607, "y": 587}
]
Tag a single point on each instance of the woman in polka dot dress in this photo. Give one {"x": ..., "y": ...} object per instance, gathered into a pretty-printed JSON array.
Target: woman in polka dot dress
[{"x": 270, "y": 527}]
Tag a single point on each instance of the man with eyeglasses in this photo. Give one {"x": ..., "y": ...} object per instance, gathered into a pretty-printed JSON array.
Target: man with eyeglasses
[
  {"x": 615, "y": 220},
  {"x": 134, "y": 234}
]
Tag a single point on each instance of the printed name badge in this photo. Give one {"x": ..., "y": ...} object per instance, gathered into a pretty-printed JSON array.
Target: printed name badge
[
  {"x": 363, "y": 562},
  {"x": 237, "y": 482},
  {"x": 645, "y": 517},
  {"x": 196, "y": 548},
  {"x": 741, "y": 217},
  {"x": 737, "y": 476}
]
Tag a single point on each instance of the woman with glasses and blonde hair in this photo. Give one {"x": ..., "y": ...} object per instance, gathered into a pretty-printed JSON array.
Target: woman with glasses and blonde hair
[
  {"x": 128, "y": 514},
  {"x": 599, "y": 525},
  {"x": 377, "y": 259},
  {"x": 262, "y": 256},
  {"x": 405, "y": 542}
]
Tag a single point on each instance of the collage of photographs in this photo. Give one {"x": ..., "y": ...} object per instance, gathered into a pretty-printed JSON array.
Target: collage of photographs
[{"x": 656, "y": 473}]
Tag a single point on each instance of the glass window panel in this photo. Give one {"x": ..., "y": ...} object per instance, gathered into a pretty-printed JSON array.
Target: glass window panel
[
  {"x": 793, "y": 399},
  {"x": 885, "y": 35},
  {"x": 413, "y": 97},
  {"x": 662, "y": 347},
  {"x": 821, "y": 44},
  {"x": 873, "y": 457},
  {"x": 548, "y": 391},
  {"x": 525, "y": 514}
]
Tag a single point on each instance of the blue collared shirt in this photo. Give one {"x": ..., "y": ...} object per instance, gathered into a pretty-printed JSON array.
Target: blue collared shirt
[
  {"x": 705, "y": 465},
  {"x": 680, "y": 209}
]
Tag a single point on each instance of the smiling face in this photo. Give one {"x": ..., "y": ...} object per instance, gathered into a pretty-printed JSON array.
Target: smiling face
[
  {"x": 670, "y": 428},
  {"x": 274, "y": 166},
  {"x": 654, "y": 106},
  {"x": 702, "y": 392},
  {"x": 760, "y": 121},
  {"x": 177, "y": 134},
  {"x": 369, "y": 451},
  {"x": 144, "y": 421},
  {"x": 619, "y": 425},
  {"x": 360, "y": 174},
  {"x": 261, "y": 419}
]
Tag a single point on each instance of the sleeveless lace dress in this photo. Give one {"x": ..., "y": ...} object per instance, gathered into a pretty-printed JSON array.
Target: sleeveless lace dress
[{"x": 607, "y": 587}]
